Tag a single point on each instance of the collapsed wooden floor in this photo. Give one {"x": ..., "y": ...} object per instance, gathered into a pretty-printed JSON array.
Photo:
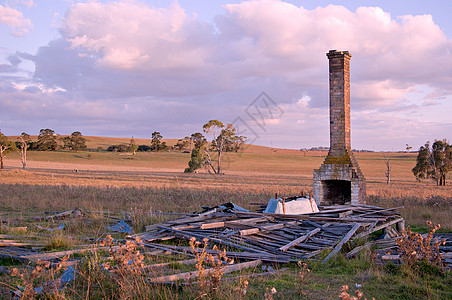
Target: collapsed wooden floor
[{"x": 275, "y": 237}]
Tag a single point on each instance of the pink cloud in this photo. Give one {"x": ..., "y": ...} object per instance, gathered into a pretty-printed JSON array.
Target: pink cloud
[
  {"x": 15, "y": 20},
  {"x": 131, "y": 35},
  {"x": 258, "y": 39},
  {"x": 378, "y": 93}
]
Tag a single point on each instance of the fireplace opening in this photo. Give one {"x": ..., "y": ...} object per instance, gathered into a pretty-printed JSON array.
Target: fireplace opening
[{"x": 337, "y": 191}]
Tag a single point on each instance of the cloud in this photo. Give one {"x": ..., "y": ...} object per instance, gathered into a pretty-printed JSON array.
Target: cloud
[
  {"x": 15, "y": 20},
  {"x": 7, "y": 68},
  {"x": 27, "y": 3},
  {"x": 128, "y": 35},
  {"x": 292, "y": 40},
  {"x": 161, "y": 67},
  {"x": 131, "y": 49},
  {"x": 378, "y": 94}
]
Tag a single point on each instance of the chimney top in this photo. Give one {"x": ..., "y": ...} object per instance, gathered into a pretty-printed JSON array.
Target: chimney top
[{"x": 333, "y": 53}]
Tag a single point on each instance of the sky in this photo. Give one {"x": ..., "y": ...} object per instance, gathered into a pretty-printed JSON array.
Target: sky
[{"x": 127, "y": 68}]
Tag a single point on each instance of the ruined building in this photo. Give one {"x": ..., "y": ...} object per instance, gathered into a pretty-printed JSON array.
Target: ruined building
[{"x": 339, "y": 179}]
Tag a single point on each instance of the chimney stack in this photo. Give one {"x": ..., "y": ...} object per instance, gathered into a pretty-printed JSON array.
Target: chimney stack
[{"x": 339, "y": 179}]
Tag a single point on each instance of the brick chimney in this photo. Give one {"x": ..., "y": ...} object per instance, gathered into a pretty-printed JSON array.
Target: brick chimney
[{"x": 339, "y": 179}]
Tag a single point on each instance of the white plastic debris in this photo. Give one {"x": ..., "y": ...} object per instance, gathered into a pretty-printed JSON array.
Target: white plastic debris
[{"x": 292, "y": 206}]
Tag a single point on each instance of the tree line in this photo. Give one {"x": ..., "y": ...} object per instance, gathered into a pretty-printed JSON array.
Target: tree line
[
  {"x": 224, "y": 138},
  {"x": 156, "y": 145},
  {"x": 433, "y": 161},
  {"x": 48, "y": 140},
  {"x": 203, "y": 153}
]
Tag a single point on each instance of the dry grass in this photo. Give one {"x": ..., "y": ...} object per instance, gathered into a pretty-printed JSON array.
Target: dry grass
[{"x": 155, "y": 181}]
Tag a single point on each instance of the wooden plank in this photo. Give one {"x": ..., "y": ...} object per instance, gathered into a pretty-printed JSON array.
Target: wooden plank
[
  {"x": 372, "y": 226},
  {"x": 249, "y": 220},
  {"x": 185, "y": 227},
  {"x": 299, "y": 240},
  {"x": 251, "y": 245},
  {"x": 312, "y": 247},
  {"x": 358, "y": 249},
  {"x": 324, "y": 228},
  {"x": 153, "y": 252},
  {"x": 249, "y": 231},
  {"x": 264, "y": 244},
  {"x": 11, "y": 243},
  {"x": 345, "y": 213},
  {"x": 366, "y": 233},
  {"x": 13, "y": 257},
  {"x": 364, "y": 206},
  {"x": 181, "y": 262},
  {"x": 191, "y": 219},
  {"x": 274, "y": 272},
  {"x": 60, "y": 215},
  {"x": 366, "y": 220},
  {"x": 275, "y": 236},
  {"x": 209, "y": 212},
  {"x": 328, "y": 211},
  {"x": 380, "y": 211},
  {"x": 390, "y": 257},
  {"x": 195, "y": 274},
  {"x": 272, "y": 227},
  {"x": 330, "y": 207},
  {"x": 223, "y": 241},
  {"x": 342, "y": 242},
  {"x": 322, "y": 241},
  {"x": 312, "y": 254},
  {"x": 6, "y": 236},
  {"x": 53, "y": 255},
  {"x": 182, "y": 284},
  {"x": 287, "y": 234},
  {"x": 310, "y": 217},
  {"x": 212, "y": 225},
  {"x": 274, "y": 258}
]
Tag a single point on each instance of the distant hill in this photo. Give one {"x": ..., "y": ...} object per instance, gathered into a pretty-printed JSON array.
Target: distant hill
[{"x": 93, "y": 142}]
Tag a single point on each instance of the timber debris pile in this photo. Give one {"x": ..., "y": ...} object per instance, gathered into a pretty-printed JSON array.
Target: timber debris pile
[{"x": 276, "y": 237}]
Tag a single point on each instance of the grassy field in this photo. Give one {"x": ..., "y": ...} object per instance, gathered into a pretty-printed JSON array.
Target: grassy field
[{"x": 146, "y": 182}]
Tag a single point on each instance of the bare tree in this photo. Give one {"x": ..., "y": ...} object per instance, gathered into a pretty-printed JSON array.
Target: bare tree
[
  {"x": 5, "y": 147},
  {"x": 388, "y": 170},
  {"x": 224, "y": 140},
  {"x": 212, "y": 127},
  {"x": 23, "y": 139}
]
